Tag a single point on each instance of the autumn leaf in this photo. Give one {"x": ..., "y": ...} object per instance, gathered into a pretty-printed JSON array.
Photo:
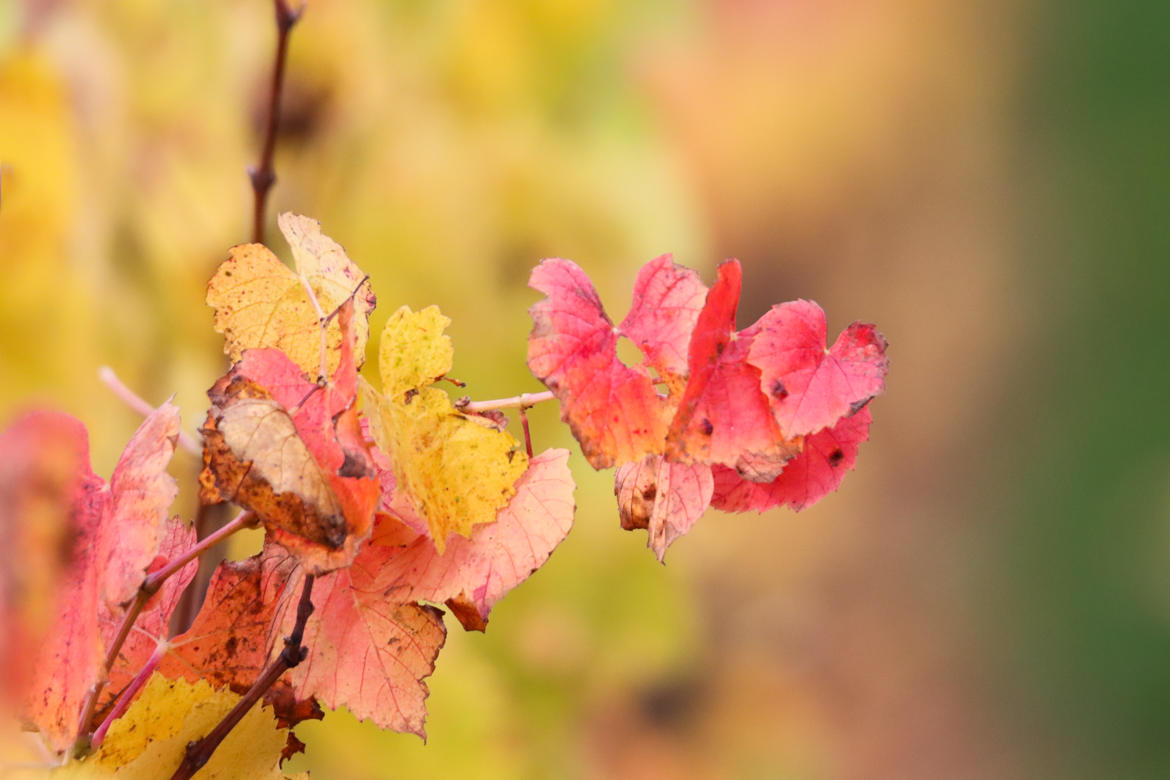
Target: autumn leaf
[
  {"x": 153, "y": 623},
  {"x": 455, "y": 470},
  {"x": 667, "y": 302},
  {"x": 292, "y": 451},
  {"x": 45, "y": 478},
  {"x": 114, "y": 535},
  {"x": 728, "y": 421},
  {"x": 232, "y": 636},
  {"x": 612, "y": 409},
  {"x": 722, "y": 417},
  {"x": 369, "y": 650},
  {"x": 260, "y": 302},
  {"x": 472, "y": 574},
  {"x": 151, "y": 738},
  {"x": 809, "y": 387},
  {"x": 664, "y": 497},
  {"x": 818, "y": 470}
]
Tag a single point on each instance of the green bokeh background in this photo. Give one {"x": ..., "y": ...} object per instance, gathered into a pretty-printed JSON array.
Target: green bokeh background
[{"x": 987, "y": 596}]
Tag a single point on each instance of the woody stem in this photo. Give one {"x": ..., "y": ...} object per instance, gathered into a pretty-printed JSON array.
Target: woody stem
[{"x": 199, "y": 753}]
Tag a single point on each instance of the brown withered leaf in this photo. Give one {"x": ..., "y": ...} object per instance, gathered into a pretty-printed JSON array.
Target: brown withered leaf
[{"x": 254, "y": 456}]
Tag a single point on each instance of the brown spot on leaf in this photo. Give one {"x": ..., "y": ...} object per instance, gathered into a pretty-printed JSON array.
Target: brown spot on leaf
[
  {"x": 835, "y": 458},
  {"x": 706, "y": 427},
  {"x": 779, "y": 391}
]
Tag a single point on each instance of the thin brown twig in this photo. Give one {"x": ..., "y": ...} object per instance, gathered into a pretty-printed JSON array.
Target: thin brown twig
[
  {"x": 199, "y": 753},
  {"x": 263, "y": 176}
]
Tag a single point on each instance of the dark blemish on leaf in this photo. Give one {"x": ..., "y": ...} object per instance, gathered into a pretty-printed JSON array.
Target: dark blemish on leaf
[
  {"x": 353, "y": 466},
  {"x": 719, "y": 347},
  {"x": 410, "y": 394},
  {"x": 835, "y": 458},
  {"x": 650, "y": 492},
  {"x": 393, "y": 640},
  {"x": 779, "y": 391},
  {"x": 706, "y": 427},
  {"x": 857, "y": 406}
]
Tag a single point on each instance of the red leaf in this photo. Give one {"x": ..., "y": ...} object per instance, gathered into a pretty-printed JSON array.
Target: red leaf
[
  {"x": 142, "y": 492},
  {"x": 814, "y": 473},
  {"x": 232, "y": 637},
  {"x": 368, "y": 651},
  {"x": 809, "y": 387},
  {"x": 612, "y": 408},
  {"x": 153, "y": 623},
  {"x": 115, "y": 533},
  {"x": 723, "y": 418},
  {"x": 476, "y": 572},
  {"x": 738, "y": 408},
  {"x": 663, "y": 497},
  {"x": 667, "y": 302}
]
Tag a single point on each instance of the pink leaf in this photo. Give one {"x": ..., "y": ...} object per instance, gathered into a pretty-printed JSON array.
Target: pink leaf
[
  {"x": 809, "y": 387},
  {"x": 613, "y": 409},
  {"x": 815, "y": 472},
  {"x": 115, "y": 532},
  {"x": 368, "y": 651},
  {"x": 723, "y": 418},
  {"x": 474, "y": 573},
  {"x": 663, "y": 497},
  {"x": 667, "y": 302}
]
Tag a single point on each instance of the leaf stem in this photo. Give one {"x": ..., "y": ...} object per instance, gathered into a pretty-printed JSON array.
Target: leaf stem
[
  {"x": 155, "y": 579},
  {"x": 262, "y": 175},
  {"x": 524, "y": 401},
  {"x": 130, "y": 692},
  {"x": 138, "y": 404},
  {"x": 150, "y": 585},
  {"x": 199, "y": 753}
]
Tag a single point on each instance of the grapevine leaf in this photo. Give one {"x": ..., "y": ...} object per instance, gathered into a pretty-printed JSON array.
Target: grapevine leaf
[
  {"x": 664, "y": 497},
  {"x": 815, "y": 472},
  {"x": 455, "y": 470},
  {"x": 667, "y": 302},
  {"x": 473, "y": 574},
  {"x": 116, "y": 530},
  {"x": 809, "y": 387},
  {"x": 141, "y": 493},
  {"x": 723, "y": 418},
  {"x": 153, "y": 622},
  {"x": 50, "y": 508},
  {"x": 292, "y": 451},
  {"x": 260, "y": 302},
  {"x": 735, "y": 413},
  {"x": 612, "y": 409},
  {"x": 150, "y": 739},
  {"x": 368, "y": 651},
  {"x": 230, "y": 640}
]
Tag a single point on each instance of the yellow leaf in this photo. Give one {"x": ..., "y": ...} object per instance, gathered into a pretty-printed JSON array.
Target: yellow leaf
[
  {"x": 457, "y": 470},
  {"x": 260, "y": 302},
  {"x": 150, "y": 739}
]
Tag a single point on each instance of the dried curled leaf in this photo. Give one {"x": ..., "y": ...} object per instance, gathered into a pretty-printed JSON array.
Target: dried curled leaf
[
  {"x": 261, "y": 302},
  {"x": 292, "y": 451},
  {"x": 455, "y": 470}
]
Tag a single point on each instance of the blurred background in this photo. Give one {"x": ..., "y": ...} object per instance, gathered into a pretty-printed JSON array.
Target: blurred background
[{"x": 988, "y": 595}]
